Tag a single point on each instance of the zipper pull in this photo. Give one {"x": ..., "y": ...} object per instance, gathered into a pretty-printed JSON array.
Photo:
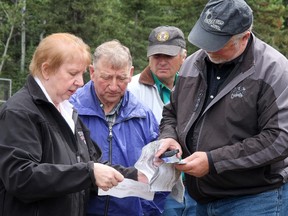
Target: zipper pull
[
  {"x": 110, "y": 134},
  {"x": 78, "y": 158}
]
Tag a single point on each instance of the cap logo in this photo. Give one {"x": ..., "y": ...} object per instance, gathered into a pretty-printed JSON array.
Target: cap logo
[
  {"x": 162, "y": 36},
  {"x": 213, "y": 23}
]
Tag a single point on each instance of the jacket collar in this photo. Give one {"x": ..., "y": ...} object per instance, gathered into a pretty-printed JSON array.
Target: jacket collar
[
  {"x": 39, "y": 97},
  {"x": 35, "y": 90},
  {"x": 146, "y": 77},
  {"x": 86, "y": 102}
]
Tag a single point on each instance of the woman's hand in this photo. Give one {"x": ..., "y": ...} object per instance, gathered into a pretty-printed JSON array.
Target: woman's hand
[{"x": 106, "y": 176}]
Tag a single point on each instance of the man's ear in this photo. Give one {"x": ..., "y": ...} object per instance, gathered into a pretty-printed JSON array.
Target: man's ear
[
  {"x": 247, "y": 35},
  {"x": 131, "y": 73},
  {"x": 184, "y": 55},
  {"x": 91, "y": 71}
]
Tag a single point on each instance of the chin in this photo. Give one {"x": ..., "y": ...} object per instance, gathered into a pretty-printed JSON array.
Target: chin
[{"x": 217, "y": 61}]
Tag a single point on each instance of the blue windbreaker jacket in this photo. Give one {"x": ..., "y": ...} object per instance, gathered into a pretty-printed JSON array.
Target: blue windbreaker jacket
[{"x": 135, "y": 127}]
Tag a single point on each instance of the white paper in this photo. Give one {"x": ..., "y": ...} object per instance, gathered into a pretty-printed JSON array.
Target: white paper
[
  {"x": 128, "y": 188},
  {"x": 161, "y": 176}
]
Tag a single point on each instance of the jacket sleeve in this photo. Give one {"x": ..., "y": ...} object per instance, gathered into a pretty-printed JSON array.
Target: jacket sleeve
[
  {"x": 127, "y": 172},
  {"x": 22, "y": 171},
  {"x": 169, "y": 120}
]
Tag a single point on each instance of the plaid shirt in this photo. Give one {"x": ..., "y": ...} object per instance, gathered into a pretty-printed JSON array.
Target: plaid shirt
[{"x": 112, "y": 115}]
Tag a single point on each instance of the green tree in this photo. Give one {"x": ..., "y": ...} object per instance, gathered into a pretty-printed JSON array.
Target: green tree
[
  {"x": 129, "y": 21},
  {"x": 269, "y": 22},
  {"x": 10, "y": 19}
]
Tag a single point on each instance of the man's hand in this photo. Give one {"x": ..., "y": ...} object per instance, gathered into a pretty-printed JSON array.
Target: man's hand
[
  {"x": 168, "y": 144},
  {"x": 196, "y": 164},
  {"x": 106, "y": 176},
  {"x": 142, "y": 178}
]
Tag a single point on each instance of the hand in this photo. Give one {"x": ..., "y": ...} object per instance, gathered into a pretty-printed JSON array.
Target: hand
[
  {"x": 106, "y": 176},
  {"x": 196, "y": 164},
  {"x": 168, "y": 144},
  {"x": 142, "y": 178}
]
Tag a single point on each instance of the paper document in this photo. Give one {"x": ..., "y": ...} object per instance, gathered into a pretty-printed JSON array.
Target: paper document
[
  {"x": 161, "y": 176},
  {"x": 128, "y": 188}
]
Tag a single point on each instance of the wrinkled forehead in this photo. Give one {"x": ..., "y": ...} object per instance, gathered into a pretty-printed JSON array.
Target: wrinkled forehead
[{"x": 113, "y": 63}]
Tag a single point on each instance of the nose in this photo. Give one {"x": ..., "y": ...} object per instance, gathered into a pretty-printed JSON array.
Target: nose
[
  {"x": 79, "y": 80},
  {"x": 113, "y": 85}
]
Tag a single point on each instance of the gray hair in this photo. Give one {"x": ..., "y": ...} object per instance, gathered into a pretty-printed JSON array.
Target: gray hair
[
  {"x": 240, "y": 35},
  {"x": 114, "y": 54},
  {"x": 183, "y": 52}
]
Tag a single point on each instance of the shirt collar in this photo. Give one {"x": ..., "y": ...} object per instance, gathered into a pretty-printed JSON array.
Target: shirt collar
[
  {"x": 163, "y": 90},
  {"x": 159, "y": 84},
  {"x": 116, "y": 108},
  {"x": 65, "y": 107}
]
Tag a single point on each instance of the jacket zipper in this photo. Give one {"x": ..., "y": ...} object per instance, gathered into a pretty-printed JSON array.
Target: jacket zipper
[{"x": 110, "y": 136}]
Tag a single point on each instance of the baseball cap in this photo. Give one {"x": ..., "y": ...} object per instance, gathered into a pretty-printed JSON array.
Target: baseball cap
[
  {"x": 167, "y": 40},
  {"x": 218, "y": 22}
]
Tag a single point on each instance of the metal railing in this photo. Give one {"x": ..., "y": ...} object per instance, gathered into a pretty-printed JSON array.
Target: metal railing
[{"x": 5, "y": 89}]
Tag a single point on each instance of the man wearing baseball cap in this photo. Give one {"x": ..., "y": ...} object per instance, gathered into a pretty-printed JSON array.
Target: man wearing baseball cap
[
  {"x": 166, "y": 53},
  {"x": 228, "y": 117}
]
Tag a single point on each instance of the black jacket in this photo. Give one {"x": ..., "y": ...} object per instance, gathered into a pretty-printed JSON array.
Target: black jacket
[
  {"x": 244, "y": 128},
  {"x": 44, "y": 168}
]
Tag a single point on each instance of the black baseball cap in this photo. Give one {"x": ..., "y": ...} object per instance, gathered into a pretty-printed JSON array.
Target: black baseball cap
[
  {"x": 218, "y": 22},
  {"x": 167, "y": 40}
]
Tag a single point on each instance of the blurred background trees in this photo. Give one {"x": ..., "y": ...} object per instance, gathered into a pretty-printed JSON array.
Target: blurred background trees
[{"x": 23, "y": 23}]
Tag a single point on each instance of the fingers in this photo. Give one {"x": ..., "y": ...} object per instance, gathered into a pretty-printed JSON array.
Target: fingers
[
  {"x": 119, "y": 177},
  {"x": 142, "y": 177},
  {"x": 183, "y": 167},
  {"x": 196, "y": 164},
  {"x": 106, "y": 176},
  {"x": 168, "y": 144},
  {"x": 105, "y": 188}
]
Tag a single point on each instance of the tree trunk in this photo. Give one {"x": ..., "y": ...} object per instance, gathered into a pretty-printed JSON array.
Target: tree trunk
[
  {"x": 6, "y": 48},
  {"x": 23, "y": 39}
]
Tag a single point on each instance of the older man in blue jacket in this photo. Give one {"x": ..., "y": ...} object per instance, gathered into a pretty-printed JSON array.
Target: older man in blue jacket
[{"x": 118, "y": 123}]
